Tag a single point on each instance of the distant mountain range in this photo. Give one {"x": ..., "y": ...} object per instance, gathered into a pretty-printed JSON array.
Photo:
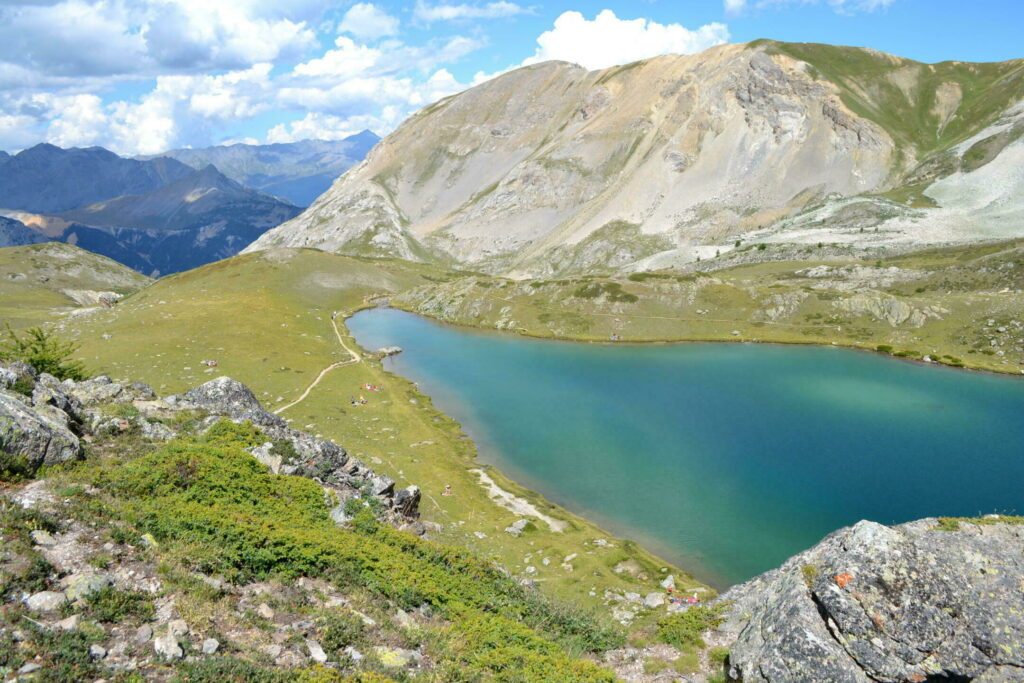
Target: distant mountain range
[
  {"x": 157, "y": 216},
  {"x": 298, "y": 172}
]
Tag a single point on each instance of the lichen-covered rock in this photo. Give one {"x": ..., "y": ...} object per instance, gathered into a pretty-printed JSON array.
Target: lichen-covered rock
[
  {"x": 38, "y": 438},
  {"x": 877, "y": 603},
  {"x": 230, "y": 398},
  {"x": 17, "y": 376},
  {"x": 49, "y": 391}
]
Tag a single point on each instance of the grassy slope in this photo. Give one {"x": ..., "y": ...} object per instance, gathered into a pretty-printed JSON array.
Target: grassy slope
[
  {"x": 32, "y": 279},
  {"x": 972, "y": 285},
  {"x": 267, "y": 323},
  {"x": 900, "y": 94}
]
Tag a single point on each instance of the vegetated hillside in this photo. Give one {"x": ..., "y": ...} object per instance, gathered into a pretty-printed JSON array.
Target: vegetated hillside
[
  {"x": 297, "y": 171},
  {"x": 47, "y": 179},
  {"x": 265, "y": 319},
  {"x": 959, "y": 306},
  {"x": 552, "y": 169},
  {"x": 45, "y": 282},
  {"x": 157, "y": 216}
]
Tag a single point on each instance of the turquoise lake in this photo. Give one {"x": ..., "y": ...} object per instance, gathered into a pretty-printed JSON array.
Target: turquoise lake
[{"x": 725, "y": 458}]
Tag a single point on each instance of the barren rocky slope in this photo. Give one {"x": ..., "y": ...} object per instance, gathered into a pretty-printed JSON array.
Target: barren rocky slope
[{"x": 553, "y": 169}]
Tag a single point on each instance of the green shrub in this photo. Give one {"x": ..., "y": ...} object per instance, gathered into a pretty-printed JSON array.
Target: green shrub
[
  {"x": 228, "y": 670},
  {"x": 110, "y": 605},
  {"x": 684, "y": 629},
  {"x": 719, "y": 655},
  {"x": 339, "y": 630},
  {"x": 236, "y": 519},
  {"x": 14, "y": 468},
  {"x": 44, "y": 351}
]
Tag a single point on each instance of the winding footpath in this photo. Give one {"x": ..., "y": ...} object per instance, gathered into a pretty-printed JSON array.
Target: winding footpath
[{"x": 353, "y": 358}]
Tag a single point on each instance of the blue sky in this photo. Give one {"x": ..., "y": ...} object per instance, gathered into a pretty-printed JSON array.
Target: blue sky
[{"x": 142, "y": 76}]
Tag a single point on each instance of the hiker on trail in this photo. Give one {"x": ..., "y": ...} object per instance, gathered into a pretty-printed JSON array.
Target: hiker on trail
[{"x": 447, "y": 490}]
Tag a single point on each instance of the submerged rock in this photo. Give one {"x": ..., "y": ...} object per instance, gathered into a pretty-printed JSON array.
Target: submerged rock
[{"x": 873, "y": 603}]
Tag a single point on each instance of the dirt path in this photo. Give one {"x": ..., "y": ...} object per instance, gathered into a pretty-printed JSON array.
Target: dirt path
[{"x": 353, "y": 358}]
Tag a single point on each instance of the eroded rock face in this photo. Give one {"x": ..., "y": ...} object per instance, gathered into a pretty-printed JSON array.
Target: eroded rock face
[
  {"x": 34, "y": 435},
  {"x": 877, "y": 603}
]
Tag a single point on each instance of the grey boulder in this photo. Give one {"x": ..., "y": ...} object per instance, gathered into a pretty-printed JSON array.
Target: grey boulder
[
  {"x": 875, "y": 603},
  {"x": 38, "y": 438}
]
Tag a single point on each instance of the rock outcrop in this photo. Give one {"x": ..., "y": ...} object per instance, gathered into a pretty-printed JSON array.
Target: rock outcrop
[
  {"x": 42, "y": 424},
  {"x": 917, "y": 602}
]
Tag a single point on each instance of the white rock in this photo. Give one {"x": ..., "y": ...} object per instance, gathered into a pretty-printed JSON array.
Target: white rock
[
  {"x": 669, "y": 582},
  {"x": 264, "y": 611},
  {"x": 654, "y": 600},
  {"x": 316, "y": 652},
  {"x": 167, "y": 648},
  {"x": 46, "y": 601},
  {"x": 210, "y": 646},
  {"x": 97, "y": 651}
]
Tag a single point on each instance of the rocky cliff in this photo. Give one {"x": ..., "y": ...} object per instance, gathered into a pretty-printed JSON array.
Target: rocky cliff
[{"x": 552, "y": 169}]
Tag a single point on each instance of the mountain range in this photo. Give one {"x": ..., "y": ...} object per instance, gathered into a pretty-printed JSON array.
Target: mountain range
[
  {"x": 552, "y": 169},
  {"x": 298, "y": 172},
  {"x": 157, "y": 216}
]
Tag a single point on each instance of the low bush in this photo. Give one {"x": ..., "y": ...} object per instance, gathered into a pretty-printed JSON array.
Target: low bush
[
  {"x": 684, "y": 630},
  {"x": 110, "y": 605},
  {"x": 243, "y": 522}
]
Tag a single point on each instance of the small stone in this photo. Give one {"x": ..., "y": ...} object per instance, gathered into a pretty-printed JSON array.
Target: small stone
[
  {"x": 46, "y": 601},
  {"x": 210, "y": 646},
  {"x": 669, "y": 582},
  {"x": 517, "y": 527},
  {"x": 654, "y": 600},
  {"x": 167, "y": 647},
  {"x": 78, "y": 586},
  {"x": 316, "y": 652},
  {"x": 144, "y": 634},
  {"x": 69, "y": 624},
  {"x": 97, "y": 651},
  {"x": 353, "y": 654},
  {"x": 179, "y": 627},
  {"x": 29, "y": 668},
  {"x": 273, "y": 651},
  {"x": 264, "y": 611},
  {"x": 44, "y": 538}
]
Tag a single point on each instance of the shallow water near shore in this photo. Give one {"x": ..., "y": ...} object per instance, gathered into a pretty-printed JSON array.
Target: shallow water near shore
[{"x": 724, "y": 458}]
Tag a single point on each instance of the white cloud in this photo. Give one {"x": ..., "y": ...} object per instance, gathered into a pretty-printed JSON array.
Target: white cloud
[
  {"x": 607, "y": 40},
  {"x": 429, "y": 13},
  {"x": 734, "y": 7},
  {"x": 367, "y": 21},
  {"x": 80, "y": 120},
  {"x": 111, "y": 38}
]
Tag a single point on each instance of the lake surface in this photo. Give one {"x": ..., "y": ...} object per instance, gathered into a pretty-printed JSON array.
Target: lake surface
[{"x": 725, "y": 458}]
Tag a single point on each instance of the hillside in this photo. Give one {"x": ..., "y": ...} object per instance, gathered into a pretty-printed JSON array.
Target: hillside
[
  {"x": 550, "y": 169},
  {"x": 46, "y": 282},
  {"x": 299, "y": 172}
]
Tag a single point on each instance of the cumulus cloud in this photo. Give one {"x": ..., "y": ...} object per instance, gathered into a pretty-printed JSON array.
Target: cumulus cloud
[
  {"x": 369, "y": 22},
  {"x": 607, "y": 40},
  {"x": 734, "y": 6},
  {"x": 428, "y": 12},
  {"x": 93, "y": 38}
]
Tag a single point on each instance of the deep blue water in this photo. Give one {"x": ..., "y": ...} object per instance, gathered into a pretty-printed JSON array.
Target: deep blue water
[{"x": 725, "y": 458}]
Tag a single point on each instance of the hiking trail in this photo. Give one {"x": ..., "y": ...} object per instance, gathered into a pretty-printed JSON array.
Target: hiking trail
[{"x": 353, "y": 358}]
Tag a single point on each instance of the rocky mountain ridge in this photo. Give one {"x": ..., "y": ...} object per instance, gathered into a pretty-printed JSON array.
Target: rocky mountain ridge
[
  {"x": 551, "y": 169},
  {"x": 298, "y": 171},
  {"x": 157, "y": 216}
]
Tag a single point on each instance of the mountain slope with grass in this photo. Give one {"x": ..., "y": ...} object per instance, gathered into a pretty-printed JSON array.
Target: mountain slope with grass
[
  {"x": 48, "y": 282},
  {"x": 542, "y": 170}
]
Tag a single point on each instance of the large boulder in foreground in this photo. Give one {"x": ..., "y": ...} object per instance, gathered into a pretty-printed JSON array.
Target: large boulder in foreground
[
  {"x": 33, "y": 435},
  {"x": 226, "y": 396},
  {"x": 916, "y": 602}
]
